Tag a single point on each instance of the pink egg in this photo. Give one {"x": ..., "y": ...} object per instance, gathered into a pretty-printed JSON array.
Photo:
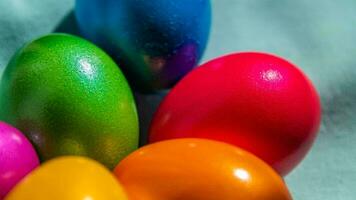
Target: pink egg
[{"x": 17, "y": 157}]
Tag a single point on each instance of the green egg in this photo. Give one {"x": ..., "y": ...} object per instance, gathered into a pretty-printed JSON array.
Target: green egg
[{"x": 70, "y": 98}]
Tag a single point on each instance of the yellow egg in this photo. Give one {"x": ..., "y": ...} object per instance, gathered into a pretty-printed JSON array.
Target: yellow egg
[{"x": 69, "y": 178}]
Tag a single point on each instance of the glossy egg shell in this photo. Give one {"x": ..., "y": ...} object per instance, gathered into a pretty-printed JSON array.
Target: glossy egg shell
[
  {"x": 259, "y": 102},
  {"x": 17, "y": 157},
  {"x": 70, "y": 98},
  {"x": 156, "y": 42},
  {"x": 69, "y": 178},
  {"x": 192, "y": 169}
]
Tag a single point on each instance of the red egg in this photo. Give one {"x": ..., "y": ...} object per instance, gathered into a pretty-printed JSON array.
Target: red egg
[{"x": 256, "y": 101}]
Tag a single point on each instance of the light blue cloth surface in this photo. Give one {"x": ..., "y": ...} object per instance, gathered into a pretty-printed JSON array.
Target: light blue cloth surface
[{"x": 317, "y": 35}]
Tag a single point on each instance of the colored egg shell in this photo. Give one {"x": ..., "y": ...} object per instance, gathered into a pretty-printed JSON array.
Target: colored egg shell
[
  {"x": 70, "y": 98},
  {"x": 193, "y": 169},
  {"x": 156, "y": 42},
  {"x": 17, "y": 157},
  {"x": 69, "y": 178},
  {"x": 256, "y": 101}
]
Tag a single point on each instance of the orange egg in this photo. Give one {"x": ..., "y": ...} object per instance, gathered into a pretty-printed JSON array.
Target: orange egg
[{"x": 194, "y": 169}]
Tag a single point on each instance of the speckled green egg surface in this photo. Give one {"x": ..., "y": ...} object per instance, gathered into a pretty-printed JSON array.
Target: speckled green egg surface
[{"x": 70, "y": 98}]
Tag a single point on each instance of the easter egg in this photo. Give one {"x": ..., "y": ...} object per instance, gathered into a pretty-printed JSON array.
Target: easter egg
[
  {"x": 69, "y": 178},
  {"x": 256, "y": 101},
  {"x": 70, "y": 98},
  {"x": 17, "y": 157},
  {"x": 156, "y": 42},
  {"x": 193, "y": 169}
]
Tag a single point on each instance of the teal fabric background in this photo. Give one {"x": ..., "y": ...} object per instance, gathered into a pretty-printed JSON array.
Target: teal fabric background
[{"x": 318, "y": 35}]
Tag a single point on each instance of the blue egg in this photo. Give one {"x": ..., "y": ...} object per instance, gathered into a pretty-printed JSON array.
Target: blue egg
[{"x": 155, "y": 42}]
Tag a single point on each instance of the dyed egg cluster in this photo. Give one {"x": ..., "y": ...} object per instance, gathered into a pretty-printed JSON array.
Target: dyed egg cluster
[{"x": 230, "y": 129}]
